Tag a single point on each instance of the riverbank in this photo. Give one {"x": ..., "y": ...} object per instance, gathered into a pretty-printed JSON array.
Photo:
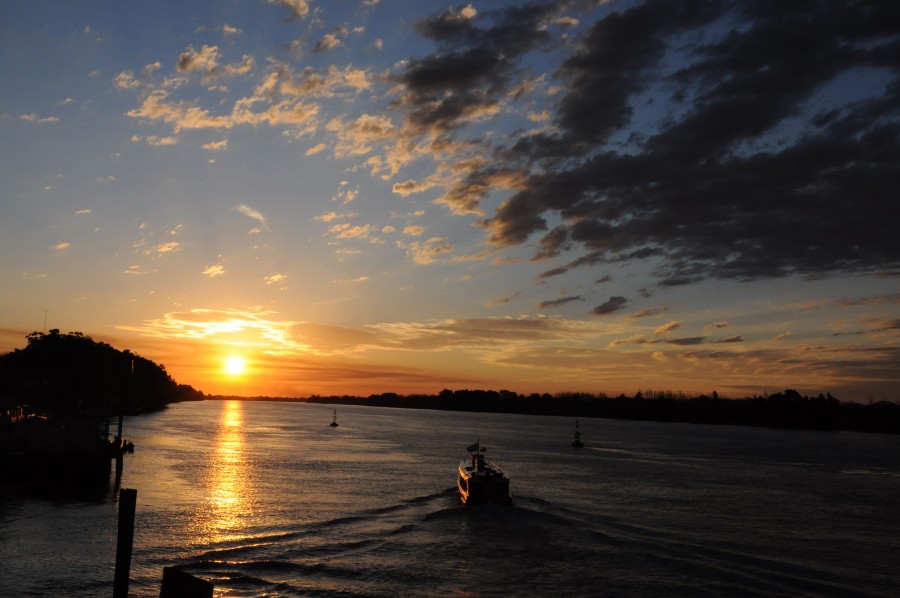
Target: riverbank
[{"x": 785, "y": 410}]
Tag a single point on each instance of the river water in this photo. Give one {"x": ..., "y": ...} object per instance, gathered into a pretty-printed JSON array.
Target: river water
[{"x": 267, "y": 499}]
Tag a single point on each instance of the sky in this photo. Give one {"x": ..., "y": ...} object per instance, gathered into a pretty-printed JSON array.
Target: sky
[{"x": 292, "y": 197}]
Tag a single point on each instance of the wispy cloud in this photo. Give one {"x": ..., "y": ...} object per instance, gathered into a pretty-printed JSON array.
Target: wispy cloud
[
  {"x": 349, "y": 231},
  {"x": 206, "y": 62},
  {"x": 430, "y": 251},
  {"x": 225, "y": 29},
  {"x": 170, "y": 247},
  {"x": 889, "y": 299},
  {"x": 648, "y": 312},
  {"x": 214, "y": 271},
  {"x": 34, "y": 118},
  {"x": 157, "y": 141},
  {"x": 485, "y": 332},
  {"x": 253, "y": 215},
  {"x": 148, "y": 244},
  {"x": 409, "y": 187},
  {"x": 332, "y": 216},
  {"x": 137, "y": 270},
  {"x": 503, "y": 300},
  {"x": 216, "y": 146},
  {"x": 362, "y": 135},
  {"x": 329, "y": 41},
  {"x": 668, "y": 327},
  {"x": 298, "y": 8},
  {"x": 249, "y": 328},
  {"x": 126, "y": 80}
]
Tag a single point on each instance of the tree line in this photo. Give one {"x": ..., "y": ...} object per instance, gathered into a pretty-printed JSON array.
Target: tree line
[
  {"x": 72, "y": 372},
  {"x": 786, "y": 409}
]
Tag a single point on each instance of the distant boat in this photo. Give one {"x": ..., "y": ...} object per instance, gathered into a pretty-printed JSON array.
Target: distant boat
[
  {"x": 482, "y": 481},
  {"x": 334, "y": 423},
  {"x": 577, "y": 442}
]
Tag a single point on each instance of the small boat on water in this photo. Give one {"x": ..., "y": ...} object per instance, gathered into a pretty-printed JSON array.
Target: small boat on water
[
  {"x": 334, "y": 423},
  {"x": 481, "y": 481},
  {"x": 577, "y": 443}
]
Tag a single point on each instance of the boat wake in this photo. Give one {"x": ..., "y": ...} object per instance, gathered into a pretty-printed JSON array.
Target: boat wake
[
  {"x": 432, "y": 545},
  {"x": 425, "y": 541}
]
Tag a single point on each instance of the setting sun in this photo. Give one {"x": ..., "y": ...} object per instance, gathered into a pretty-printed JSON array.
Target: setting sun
[{"x": 235, "y": 366}]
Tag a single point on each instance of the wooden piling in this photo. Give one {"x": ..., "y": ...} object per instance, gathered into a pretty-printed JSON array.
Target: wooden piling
[
  {"x": 124, "y": 542},
  {"x": 179, "y": 584}
]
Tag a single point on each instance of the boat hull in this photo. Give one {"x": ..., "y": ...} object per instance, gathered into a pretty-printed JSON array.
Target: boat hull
[{"x": 486, "y": 486}]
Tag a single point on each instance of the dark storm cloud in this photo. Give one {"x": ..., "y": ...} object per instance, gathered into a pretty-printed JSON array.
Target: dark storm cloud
[
  {"x": 614, "y": 304},
  {"x": 474, "y": 67},
  {"x": 612, "y": 67},
  {"x": 747, "y": 169}
]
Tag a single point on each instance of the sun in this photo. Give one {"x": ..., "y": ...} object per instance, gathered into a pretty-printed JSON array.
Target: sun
[{"x": 235, "y": 366}]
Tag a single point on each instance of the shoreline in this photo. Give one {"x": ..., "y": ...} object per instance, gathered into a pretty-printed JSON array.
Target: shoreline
[{"x": 786, "y": 410}]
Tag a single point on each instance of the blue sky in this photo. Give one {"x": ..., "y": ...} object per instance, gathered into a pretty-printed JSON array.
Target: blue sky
[{"x": 362, "y": 196}]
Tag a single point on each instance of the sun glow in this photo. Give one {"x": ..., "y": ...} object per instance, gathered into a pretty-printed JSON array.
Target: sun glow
[
  {"x": 235, "y": 366},
  {"x": 229, "y": 485}
]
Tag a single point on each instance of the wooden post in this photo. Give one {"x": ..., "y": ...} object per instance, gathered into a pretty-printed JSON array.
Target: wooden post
[{"x": 127, "y": 503}]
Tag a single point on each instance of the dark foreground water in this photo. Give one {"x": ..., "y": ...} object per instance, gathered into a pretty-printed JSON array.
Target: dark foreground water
[{"x": 265, "y": 499}]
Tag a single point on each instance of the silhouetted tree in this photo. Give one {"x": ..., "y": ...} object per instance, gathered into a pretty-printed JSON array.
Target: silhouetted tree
[{"x": 72, "y": 372}]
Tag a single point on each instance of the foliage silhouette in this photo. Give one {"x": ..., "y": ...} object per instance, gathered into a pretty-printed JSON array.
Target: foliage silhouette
[
  {"x": 787, "y": 409},
  {"x": 72, "y": 372}
]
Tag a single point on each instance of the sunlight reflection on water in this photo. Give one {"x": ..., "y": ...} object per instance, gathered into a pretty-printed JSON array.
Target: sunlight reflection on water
[
  {"x": 267, "y": 499},
  {"x": 229, "y": 484}
]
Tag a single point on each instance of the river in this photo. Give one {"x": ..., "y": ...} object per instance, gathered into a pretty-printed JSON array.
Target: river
[{"x": 267, "y": 499}]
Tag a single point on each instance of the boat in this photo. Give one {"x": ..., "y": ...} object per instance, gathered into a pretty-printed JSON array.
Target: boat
[
  {"x": 577, "y": 442},
  {"x": 481, "y": 481},
  {"x": 334, "y": 423}
]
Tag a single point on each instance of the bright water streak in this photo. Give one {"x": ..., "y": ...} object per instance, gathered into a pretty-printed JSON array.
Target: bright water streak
[{"x": 266, "y": 499}]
